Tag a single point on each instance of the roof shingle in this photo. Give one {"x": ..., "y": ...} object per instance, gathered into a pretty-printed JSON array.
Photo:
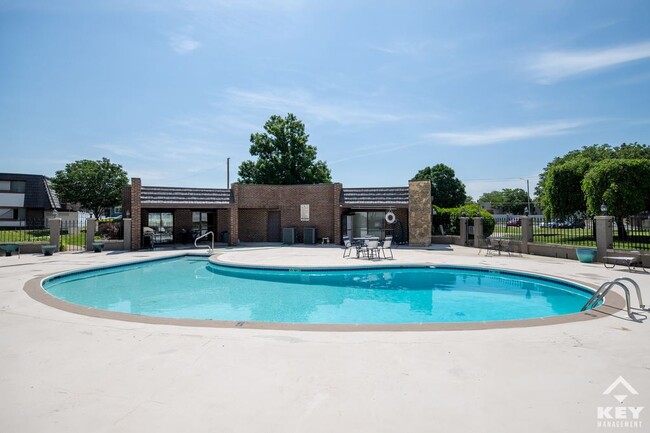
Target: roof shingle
[
  {"x": 375, "y": 196},
  {"x": 163, "y": 194}
]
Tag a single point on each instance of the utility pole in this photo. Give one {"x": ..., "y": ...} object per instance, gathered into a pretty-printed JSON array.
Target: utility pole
[
  {"x": 528, "y": 193},
  {"x": 228, "y": 172}
]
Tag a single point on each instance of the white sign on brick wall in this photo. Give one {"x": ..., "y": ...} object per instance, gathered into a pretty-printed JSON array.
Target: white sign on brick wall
[{"x": 304, "y": 212}]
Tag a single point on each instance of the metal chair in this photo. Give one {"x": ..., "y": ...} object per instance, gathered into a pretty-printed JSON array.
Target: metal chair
[
  {"x": 386, "y": 245},
  {"x": 348, "y": 247}
]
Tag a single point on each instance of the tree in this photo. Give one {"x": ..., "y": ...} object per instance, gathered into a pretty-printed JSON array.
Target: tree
[
  {"x": 447, "y": 191},
  {"x": 95, "y": 185},
  {"x": 622, "y": 185},
  {"x": 508, "y": 200},
  {"x": 283, "y": 156},
  {"x": 591, "y": 155},
  {"x": 563, "y": 192}
]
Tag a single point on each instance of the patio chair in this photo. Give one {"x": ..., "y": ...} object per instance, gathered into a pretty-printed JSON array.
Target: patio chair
[
  {"x": 370, "y": 249},
  {"x": 347, "y": 243},
  {"x": 386, "y": 245},
  {"x": 632, "y": 262},
  {"x": 486, "y": 244}
]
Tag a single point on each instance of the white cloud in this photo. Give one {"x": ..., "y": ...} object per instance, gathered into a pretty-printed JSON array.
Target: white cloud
[
  {"x": 304, "y": 104},
  {"x": 551, "y": 67},
  {"x": 182, "y": 43},
  {"x": 498, "y": 135}
]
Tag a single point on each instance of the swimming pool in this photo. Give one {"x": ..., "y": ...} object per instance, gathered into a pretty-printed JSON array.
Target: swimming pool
[{"x": 191, "y": 287}]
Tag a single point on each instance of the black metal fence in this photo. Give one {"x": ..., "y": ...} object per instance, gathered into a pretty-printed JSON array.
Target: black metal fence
[
  {"x": 635, "y": 234},
  {"x": 73, "y": 235},
  {"x": 507, "y": 228},
  {"x": 576, "y": 232},
  {"x": 25, "y": 231}
]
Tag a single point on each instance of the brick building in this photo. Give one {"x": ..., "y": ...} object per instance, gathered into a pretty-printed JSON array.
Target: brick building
[{"x": 260, "y": 213}]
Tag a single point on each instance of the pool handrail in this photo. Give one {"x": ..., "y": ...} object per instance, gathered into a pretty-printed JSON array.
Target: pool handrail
[
  {"x": 211, "y": 247},
  {"x": 607, "y": 286}
]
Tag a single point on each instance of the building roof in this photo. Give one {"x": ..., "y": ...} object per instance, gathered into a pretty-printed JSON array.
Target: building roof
[
  {"x": 396, "y": 196},
  {"x": 164, "y": 195},
  {"x": 38, "y": 190}
]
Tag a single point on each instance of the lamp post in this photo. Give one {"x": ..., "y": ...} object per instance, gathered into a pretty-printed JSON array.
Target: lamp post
[
  {"x": 527, "y": 194},
  {"x": 228, "y": 172},
  {"x": 603, "y": 209}
]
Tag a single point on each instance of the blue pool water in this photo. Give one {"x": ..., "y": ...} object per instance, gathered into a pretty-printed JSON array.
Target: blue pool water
[{"x": 193, "y": 288}]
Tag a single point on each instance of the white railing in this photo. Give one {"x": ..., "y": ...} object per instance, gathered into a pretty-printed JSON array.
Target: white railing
[{"x": 211, "y": 247}]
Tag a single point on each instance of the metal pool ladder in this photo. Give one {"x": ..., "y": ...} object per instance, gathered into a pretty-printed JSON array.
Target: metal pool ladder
[
  {"x": 606, "y": 287},
  {"x": 211, "y": 247}
]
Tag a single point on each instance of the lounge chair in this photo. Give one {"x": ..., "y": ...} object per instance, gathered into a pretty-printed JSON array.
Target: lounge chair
[
  {"x": 387, "y": 246},
  {"x": 632, "y": 262}
]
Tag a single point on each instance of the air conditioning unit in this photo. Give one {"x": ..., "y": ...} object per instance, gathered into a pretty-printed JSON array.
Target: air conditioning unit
[
  {"x": 289, "y": 235},
  {"x": 310, "y": 235}
]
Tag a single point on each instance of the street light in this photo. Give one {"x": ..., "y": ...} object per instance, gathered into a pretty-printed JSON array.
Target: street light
[
  {"x": 528, "y": 209},
  {"x": 603, "y": 209}
]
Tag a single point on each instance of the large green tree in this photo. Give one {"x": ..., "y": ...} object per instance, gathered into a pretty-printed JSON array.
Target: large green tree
[
  {"x": 446, "y": 189},
  {"x": 622, "y": 185},
  {"x": 562, "y": 200},
  {"x": 283, "y": 156},
  {"x": 563, "y": 188},
  {"x": 591, "y": 155},
  {"x": 95, "y": 185},
  {"x": 509, "y": 200}
]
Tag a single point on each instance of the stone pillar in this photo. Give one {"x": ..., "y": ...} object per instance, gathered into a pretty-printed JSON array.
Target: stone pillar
[
  {"x": 478, "y": 231},
  {"x": 91, "y": 227},
  {"x": 55, "y": 232},
  {"x": 604, "y": 236},
  {"x": 526, "y": 233},
  {"x": 420, "y": 213},
  {"x": 463, "y": 222},
  {"x": 127, "y": 233},
  {"x": 136, "y": 214}
]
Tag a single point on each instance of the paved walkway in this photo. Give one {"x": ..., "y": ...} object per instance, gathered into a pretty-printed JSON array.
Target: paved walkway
[{"x": 63, "y": 372}]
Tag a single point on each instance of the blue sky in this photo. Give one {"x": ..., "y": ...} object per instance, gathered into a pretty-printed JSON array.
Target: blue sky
[{"x": 170, "y": 89}]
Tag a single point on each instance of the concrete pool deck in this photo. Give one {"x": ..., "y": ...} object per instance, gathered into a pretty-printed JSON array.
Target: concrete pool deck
[{"x": 65, "y": 372}]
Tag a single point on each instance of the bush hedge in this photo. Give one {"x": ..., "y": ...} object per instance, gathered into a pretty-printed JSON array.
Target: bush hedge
[{"x": 449, "y": 218}]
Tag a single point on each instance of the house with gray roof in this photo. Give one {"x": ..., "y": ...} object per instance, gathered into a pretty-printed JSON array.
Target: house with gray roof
[{"x": 25, "y": 198}]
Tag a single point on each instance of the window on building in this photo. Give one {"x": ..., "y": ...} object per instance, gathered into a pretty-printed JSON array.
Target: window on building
[
  {"x": 202, "y": 222},
  {"x": 163, "y": 225},
  {"x": 16, "y": 214},
  {"x": 368, "y": 224},
  {"x": 18, "y": 185},
  {"x": 13, "y": 185}
]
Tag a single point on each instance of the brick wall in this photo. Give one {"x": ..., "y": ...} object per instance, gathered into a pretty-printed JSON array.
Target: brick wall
[
  {"x": 324, "y": 212},
  {"x": 223, "y": 222},
  {"x": 136, "y": 214},
  {"x": 253, "y": 225}
]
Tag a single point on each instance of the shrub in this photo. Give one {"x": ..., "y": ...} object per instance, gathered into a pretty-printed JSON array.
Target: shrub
[{"x": 449, "y": 218}]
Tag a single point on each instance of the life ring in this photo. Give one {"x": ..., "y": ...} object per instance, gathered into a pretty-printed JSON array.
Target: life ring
[{"x": 390, "y": 217}]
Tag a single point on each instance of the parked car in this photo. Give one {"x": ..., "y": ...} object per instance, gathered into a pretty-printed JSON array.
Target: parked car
[
  {"x": 550, "y": 224},
  {"x": 563, "y": 224},
  {"x": 572, "y": 224},
  {"x": 515, "y": 222}
]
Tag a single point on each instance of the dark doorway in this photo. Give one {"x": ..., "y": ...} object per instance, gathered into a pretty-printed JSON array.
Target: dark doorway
[{"x": 274, "y": 232}]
